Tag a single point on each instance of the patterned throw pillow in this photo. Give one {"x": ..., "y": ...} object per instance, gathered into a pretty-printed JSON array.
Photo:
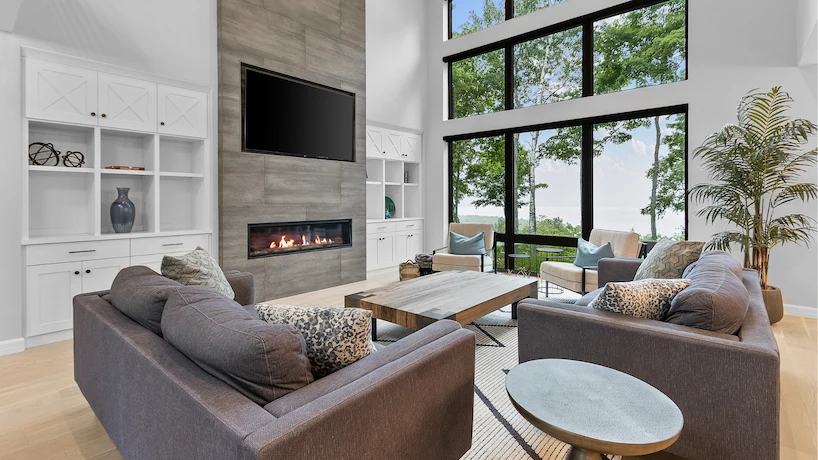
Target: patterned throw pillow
[
  {"x": 336, "y": 337},
  {"x": 668, "y": 259},
  {"x": 643, "y": 299},
  {"x": 197, "y": 268}
]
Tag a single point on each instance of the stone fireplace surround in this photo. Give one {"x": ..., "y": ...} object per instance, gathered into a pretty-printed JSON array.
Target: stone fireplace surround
[{"x": 326, "y": 48}]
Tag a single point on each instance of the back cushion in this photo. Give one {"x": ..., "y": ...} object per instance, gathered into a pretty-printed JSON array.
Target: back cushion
[
  {"x": 669, "y": 259},
  {"x": 259, "y": 360},
  {"x": 716, "y": 299},
  {"x": 140, "y": 294}
]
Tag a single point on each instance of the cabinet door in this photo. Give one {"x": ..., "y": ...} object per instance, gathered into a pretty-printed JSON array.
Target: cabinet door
[
  {"x": 411, "y": 148},
  {"x": 401, "y": 253},
  {"x": 182, "y": 112},
  {"x": 392, "y": 145},
  {"x": 372, "y": 253},
  {"x": 386, "y": 251},
  {"x": 50, "y": 290},
  {"x": 414, "y": 245},
  {"x": 127, "y": 103},
  {"x": 60, "y": 92},
  {"x": 374, "y": 142},
  {"x": 98, "y": 275}
]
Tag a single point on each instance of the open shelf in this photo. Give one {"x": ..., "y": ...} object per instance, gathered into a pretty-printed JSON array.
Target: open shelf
[
  {"x": 62, "y": 204},
  {"x": 64, "y": 138},
  {"x": 393, "y": 172},
  {"x": 374, "y": 170},
  {"x": 412, "y": 205},
  {"x": 121, "y": 148},
  {"x": 183, "y": 205},
  {"x": 411, "y": 174},
  {"x": 142, "y": 192},
  {"x": 396, "y": 193},
  {"x": 127, "y": 172},
  {"x": 375, "y": 205},
  {"x": 54, "y": 169},
  {"x": 181, "y": 157}
]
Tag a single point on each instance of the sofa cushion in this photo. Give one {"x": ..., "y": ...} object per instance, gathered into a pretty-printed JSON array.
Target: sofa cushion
[
  {"x": 197, "y": 268},
  {"x": 335, "y": 337},
  {"x": 643, "y": 299},
  {"x": 668, "y": 259},
  {"x": 588, "y": 254},
  {"x": 716, "y": 299},
  {"x": 140, "y": 294},
  {"x": 467, "y": 245},
  {"x": 585, "y": 300},
  {"x": 259, "y": 360}
]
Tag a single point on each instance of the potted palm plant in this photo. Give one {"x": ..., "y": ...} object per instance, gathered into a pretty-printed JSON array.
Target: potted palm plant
[{"x": 755, "y": 168}]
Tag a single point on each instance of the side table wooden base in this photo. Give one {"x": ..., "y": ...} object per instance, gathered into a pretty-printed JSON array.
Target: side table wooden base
[{"x": 576, "y": 453}]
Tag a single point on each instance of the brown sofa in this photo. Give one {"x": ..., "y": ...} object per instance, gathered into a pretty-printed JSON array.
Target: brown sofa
[
  {"x": 727, "y": 386},
  {"x": 412, "y": 399}
]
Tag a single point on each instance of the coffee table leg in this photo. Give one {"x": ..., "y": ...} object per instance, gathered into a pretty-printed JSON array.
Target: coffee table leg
[
  {"x": 374, "y": 329},
  {"x": 575, "y": 453},
  {"x": 514, "y": 310}
]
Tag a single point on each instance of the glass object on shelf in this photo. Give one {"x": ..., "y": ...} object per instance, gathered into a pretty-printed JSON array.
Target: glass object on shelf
[
  {"x": 389, "y": 209},
  {"x": 123, "y": 211}
]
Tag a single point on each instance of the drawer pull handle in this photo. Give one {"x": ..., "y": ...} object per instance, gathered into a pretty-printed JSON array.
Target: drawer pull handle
[
  {"x": 410, "y": 226},
  {"x": 173, "y": 244},
  {"x": 82, "y": 252},
  {"x": 381, "y": 228}
]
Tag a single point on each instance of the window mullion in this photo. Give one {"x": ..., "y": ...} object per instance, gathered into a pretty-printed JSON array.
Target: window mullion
[
  {"x": 587, "y": 180},
  {"x": 587, "y": 59}
]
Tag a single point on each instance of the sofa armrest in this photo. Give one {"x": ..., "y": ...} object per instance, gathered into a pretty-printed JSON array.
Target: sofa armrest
[
  {"x": 417, "y": 406},
  {"x": 244, "y": 286},
  {"x": 715, "y": 379},
  {"x": 617, "y": 270}
]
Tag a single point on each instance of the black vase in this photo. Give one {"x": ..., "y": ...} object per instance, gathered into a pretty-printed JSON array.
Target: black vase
[{"x": 123, "y": 211}]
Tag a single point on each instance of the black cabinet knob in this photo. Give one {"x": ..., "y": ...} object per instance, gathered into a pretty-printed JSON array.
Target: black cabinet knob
[
  {"x": 93, "y": 114},
  {"x": 77, "y": 272},
  {"x": 103, "y": 115},
  {"x": 162, "y": 123},
  {"x": 87, "y": 271}
]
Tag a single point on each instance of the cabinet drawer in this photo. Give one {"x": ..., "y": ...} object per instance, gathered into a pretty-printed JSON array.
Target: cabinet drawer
[
  {"x": 383, "y": 227},
  {"x": 153, "y": 261},
  {"x": 168, "y": 244},
  {"x": 76, "y": 252},
  {"x": 409, "y": 225}
]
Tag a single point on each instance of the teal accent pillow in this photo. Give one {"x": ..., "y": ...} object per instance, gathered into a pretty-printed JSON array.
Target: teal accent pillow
[
  {"x": 465, "y": 245},
  {"x": 589, "y": 254}
]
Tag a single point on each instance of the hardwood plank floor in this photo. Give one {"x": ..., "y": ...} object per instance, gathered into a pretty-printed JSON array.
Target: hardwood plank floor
[{"x": 43, "y": 415}]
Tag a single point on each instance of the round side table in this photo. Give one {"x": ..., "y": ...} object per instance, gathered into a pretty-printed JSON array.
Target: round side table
[
  {"x": 548, "y": 253},
  {"x": 522, "y": 271},
  {"x": 593, "y": 408}
]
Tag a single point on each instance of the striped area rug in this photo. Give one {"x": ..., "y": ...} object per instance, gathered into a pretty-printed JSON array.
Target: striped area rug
[{"x": 499, "y": 431}]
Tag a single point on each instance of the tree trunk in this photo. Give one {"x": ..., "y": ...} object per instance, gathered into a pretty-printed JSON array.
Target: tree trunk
[{"x": 655, "y": 179}]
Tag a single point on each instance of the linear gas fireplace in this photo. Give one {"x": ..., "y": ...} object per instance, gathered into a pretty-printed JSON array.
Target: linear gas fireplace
[{"x": 265, "y": 240}]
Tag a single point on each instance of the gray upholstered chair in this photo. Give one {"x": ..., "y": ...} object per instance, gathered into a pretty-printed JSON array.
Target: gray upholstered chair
[
  {"x": 443, "y": 260},
  {"x": 569, "y": 276}
]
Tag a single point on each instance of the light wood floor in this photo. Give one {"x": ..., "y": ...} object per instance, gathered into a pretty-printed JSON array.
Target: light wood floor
[{"x": 43, "y": 415}]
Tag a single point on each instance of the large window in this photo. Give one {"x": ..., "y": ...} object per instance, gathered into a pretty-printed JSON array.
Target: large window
[
  {"x": 617, "y": 49},
  {"x": 467, "y": 16}
]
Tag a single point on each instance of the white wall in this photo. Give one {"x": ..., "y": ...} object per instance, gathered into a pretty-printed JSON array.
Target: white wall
[
  {"x": 175, "y": 39},
  {"x": 396, "y": 62},
  {"x": 735, "y": 46}
]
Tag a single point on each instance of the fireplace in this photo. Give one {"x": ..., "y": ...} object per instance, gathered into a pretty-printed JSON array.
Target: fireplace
[{"x": 273, "y": 239}]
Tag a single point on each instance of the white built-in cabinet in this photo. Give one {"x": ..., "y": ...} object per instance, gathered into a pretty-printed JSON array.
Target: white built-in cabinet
[
  {"x": 393, "y": 169},
  {"x": 115, "y": 117}
]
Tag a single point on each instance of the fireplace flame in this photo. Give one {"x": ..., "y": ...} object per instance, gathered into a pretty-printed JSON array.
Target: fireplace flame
[{"x": 286, "y": 242}]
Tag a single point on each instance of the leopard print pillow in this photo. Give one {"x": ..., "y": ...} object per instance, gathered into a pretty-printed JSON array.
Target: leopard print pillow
[
  {"x": 648, "y": 298},
  {"x": 336, "y": 337}
]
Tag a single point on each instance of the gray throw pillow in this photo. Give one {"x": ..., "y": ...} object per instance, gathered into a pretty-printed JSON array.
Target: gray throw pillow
[
  {"x": 197, "y": 268},
  {"x": 668, "y": 259},
  {"x": 716, "y": 299},
  {"x": 259, "y": 360},
  {"x": 336, "y": 337},
  {"x": 467, "y": 245},
  {"x": 589, "y": 254},
  {"x": 643, "y": 299},
  {"x": 140, "y": 294}
]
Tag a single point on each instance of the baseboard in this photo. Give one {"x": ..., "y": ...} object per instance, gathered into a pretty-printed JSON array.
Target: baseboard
[
  {"x": 8, "y": 347},
  {"x": 45, "y": 339},
  {"x": 798, "y": 310}
]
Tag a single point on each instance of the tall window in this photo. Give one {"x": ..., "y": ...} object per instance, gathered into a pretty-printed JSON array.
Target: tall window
[
  {"x": 478, "y": 84},
  {"x": 467, "y": 16},
  {"x": 548, "y": 69}
]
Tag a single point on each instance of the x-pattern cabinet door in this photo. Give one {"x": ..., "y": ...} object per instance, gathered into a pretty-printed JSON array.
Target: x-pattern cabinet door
[
  {"x": 60, "y": 92},
  {"x": 374, "y": 142},
  {"x": 411, "y": 147},
  {"x": 182, "y": 112},
  {"x": 127, "y": 103},
  {"x": 392, "y": 145}
]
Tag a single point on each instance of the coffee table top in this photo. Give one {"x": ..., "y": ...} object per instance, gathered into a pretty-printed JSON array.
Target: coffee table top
[
  {"x": 462, "y": 296},
  {"x": 594, "y": 407}
]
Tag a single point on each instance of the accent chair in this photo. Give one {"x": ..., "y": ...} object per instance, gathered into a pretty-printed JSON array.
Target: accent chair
[
  {"x": 443, "y": 260},
  {"x": 569, "y": 276}
]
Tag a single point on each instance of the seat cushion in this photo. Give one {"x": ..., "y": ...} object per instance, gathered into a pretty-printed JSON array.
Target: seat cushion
[
  {"x": 456, "y": 259},
  {"x": 716, "y": 299},
  {"x": 197, "y": 268},
  {"x": 568, "y": 275},
  {"x": 261, "y": 361},
  {"x": 648, "y": 299},
  {"x": 140, "y": 294},
  {"x": 335, "y": 337},
  {"x": 668, "y": 259}
]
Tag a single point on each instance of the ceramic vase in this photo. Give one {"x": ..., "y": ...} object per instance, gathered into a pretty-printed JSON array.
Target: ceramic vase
[{"x": 123, "y": 211}]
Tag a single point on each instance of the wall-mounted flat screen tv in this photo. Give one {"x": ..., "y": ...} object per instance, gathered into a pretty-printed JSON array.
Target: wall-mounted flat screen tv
[{"x": 287, "y": 116}]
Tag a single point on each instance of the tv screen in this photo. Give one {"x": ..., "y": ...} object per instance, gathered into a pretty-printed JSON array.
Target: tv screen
[{"x": 287, "y": 116}]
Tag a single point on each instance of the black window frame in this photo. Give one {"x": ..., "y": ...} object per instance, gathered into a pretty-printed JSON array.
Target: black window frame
[
  {"x": 586, "y": 22},
  {"x": 511, "y": 238}
]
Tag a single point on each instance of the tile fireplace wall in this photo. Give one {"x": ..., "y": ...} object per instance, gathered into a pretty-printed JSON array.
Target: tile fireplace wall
[{"x": 321, "y": 41}]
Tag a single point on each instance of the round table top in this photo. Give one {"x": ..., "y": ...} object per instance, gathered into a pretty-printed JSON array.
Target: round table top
[
  {"x": 594, "y": 407},
  {"x": 551, "y": 250},
  {"x": 519, "y": 256}
]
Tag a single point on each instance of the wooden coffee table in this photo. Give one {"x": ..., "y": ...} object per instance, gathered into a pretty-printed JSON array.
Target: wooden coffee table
[
  {"x": 594, "y": 408},
  {"x": 462, "y": 296}
]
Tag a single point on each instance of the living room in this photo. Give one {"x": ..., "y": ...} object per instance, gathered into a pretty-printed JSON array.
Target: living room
[{"x": 426, "y": 208}]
